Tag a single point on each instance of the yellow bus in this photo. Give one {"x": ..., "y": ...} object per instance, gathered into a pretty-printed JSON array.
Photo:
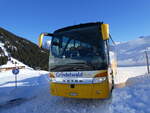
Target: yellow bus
[{"x": 81, "y": 62}]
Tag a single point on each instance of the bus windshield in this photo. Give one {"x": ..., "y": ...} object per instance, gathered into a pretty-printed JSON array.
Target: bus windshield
[{"x": 77, "y": 52}]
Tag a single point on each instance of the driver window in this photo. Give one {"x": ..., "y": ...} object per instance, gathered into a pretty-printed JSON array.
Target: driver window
[{"x": 55, "y": 48}]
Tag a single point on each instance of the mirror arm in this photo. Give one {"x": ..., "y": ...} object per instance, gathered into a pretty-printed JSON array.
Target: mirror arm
[{"x": 49, "y": 34}]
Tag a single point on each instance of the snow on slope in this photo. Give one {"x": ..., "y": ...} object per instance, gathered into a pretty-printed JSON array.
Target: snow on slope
[
  {"x": 22, "y": 50},
  {"x": 132, "y": 52},
  {"x": 2, "y": 47},
  {"x": 34, "y": 85},
  {"x": 9, "y": 63}
]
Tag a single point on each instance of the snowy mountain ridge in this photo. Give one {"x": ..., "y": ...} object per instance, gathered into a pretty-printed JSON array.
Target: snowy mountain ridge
[
  {"x": 117, "y": 42},
  {"x": 133, "y": 52}
]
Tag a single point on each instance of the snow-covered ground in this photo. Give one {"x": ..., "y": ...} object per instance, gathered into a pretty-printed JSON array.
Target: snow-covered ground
[
  {"x": 34, "y": 97},
  {"x": 133, "y": 98},
  {"x": 28, "y": 80}
]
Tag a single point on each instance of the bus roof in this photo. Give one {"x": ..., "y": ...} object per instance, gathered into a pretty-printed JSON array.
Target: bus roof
[{"x": 78, "y": 26}]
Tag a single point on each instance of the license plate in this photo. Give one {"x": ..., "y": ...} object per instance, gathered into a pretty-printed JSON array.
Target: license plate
[{"x": 73, "y": 94}]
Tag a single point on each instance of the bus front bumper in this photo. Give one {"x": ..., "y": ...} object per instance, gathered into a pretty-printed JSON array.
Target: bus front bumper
[{"x": 85, "y": 91}]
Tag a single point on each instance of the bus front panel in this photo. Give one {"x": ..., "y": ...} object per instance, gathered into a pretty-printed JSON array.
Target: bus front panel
[{"x": 89, "y": 91}]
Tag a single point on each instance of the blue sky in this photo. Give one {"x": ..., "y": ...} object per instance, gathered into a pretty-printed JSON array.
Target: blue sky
[{"x": 128, "y": 19}]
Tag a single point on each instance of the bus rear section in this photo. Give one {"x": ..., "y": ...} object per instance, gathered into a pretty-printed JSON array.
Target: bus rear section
[{"x": 80, "y": 63}]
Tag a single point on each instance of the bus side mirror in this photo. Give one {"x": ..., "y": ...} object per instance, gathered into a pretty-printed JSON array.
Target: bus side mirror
[
  {"x": 41, "y": 39},
  {"x": 105, "y": 31}
]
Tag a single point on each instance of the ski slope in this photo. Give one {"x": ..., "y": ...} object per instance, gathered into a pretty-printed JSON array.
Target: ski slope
[{"x": 32, "y": 94}]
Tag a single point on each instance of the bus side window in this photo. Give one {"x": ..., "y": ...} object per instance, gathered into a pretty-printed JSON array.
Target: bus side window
[
  {"x": 55, "y": 48},
  {"x": 106, "y": 45}
]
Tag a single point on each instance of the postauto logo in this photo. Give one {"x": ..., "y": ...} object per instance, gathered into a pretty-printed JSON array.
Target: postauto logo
[{"x": 69, "y": 74}]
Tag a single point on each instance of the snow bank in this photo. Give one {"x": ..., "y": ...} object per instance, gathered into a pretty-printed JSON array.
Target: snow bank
[
  {"x": 124, "y": 73},
  {"x": 133, "y": 98}
]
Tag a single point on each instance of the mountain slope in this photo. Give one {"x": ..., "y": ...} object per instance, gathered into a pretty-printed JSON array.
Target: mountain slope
[
  {"x": 22, "y": 50},
  {"x": 133, "y": 52},
  {"x": 3, "y": 55}
]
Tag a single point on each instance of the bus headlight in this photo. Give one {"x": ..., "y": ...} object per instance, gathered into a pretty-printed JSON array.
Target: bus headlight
[{"x": 99, "y": 79}]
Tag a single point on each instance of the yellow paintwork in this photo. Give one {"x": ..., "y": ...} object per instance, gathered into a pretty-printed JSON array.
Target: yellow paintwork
[
  {"x": 41, "y": 39},
  {"x": 105, "y": 31},
  {"x": 85, "y": 91}
]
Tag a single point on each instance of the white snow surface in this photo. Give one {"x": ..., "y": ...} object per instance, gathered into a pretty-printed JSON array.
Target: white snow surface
[
  {"x": 27, "y": 81},
  {"x": 33, "y": 89},
  {"x": 134, "y": 98},
  {"x": 124, "y": 73}
]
